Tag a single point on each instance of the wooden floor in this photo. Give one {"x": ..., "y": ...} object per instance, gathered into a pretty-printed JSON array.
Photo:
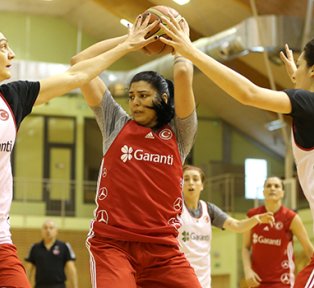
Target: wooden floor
[{"x": 220, "y": 281}]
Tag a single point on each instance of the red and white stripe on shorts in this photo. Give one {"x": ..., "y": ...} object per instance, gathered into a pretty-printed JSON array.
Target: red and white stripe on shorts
[{"x": 305, "y": 278}]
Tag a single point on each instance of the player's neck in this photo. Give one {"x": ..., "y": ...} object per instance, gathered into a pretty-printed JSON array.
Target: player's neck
[
  {"x": 273, "y": 206},
  {"x": 192, "y": 205}
]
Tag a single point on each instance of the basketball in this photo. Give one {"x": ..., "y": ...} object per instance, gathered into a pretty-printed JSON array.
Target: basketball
[{"x": 156, "y": 12}]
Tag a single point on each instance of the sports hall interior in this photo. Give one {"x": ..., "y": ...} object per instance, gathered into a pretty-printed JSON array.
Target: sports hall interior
[{"x": 59, "y": 147}]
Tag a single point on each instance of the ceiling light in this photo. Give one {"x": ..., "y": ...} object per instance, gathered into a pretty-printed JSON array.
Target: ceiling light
[
  {"x": 275, "y": 125},
  {"x": 112, "y": 77},
  {"x": 181, "y": 2},
  {"x": 126, "y": 23}
]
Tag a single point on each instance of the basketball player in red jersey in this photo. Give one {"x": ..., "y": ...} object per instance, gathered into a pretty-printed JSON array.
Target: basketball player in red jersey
[
  {"x": 132, "y": 240},
  {"x": 297, "y": 103},
  {"x": 16, "y": 101},
  {"x": 272, "y": 247}
]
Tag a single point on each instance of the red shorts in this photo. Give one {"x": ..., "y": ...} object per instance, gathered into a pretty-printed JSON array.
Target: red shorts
[
  {"x": 274, "y": 285},
  {"x": 124, "y": 264},
  {"x": 305, "y": 278},
  {"x": 12, "y": 272}
]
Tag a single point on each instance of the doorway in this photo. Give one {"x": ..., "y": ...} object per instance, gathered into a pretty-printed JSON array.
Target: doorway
[{"x": 59, "y": 172}]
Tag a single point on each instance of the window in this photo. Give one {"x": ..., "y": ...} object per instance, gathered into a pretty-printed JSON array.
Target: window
[{"x": 255, "y": 175}]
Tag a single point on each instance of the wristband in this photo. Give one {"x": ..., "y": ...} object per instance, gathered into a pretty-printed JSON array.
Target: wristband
[{"x": 182, "y": 59}]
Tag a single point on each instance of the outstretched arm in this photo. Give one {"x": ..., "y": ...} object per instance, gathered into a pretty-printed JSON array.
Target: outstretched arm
[
  {"x": 83, "y": 72},
  {"x": 247, "y": 224},
  {"x": 95, "y": 89},
  {"x": 183, "y": 81},
  {"x": 233, "y": 83},
  {"x": 251, "y": 278}
]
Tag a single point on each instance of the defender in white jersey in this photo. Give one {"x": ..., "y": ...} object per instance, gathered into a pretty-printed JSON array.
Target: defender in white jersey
[
  {"x": 197, "y": 219},
  {"x": 16, "y": 101},
  {"x": 298, "y": 103}
]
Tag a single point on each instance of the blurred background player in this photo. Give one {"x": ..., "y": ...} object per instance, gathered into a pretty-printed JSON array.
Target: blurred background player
[
  {"x": 197, "y": 219},
  {"x": 272, "y": 247}
]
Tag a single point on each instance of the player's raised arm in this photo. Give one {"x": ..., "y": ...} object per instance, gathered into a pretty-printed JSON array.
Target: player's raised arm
[
  {"x": 94, "y": 60},
  {"x": 233, "y": 83}
]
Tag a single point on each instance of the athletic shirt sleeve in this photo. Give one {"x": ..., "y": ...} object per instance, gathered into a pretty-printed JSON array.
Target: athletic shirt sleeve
[
  {"x": 302, "y": 103},
  {"x": 217, "y": 216},
  {"x": 110, "y": 117},
  {"x": 290, "y": 214},
  {"x": 185, "y": 130},
  {"x": 70, "y": 255},
  {"x": 21, "y": 96},
  {"x": 30, "y": 256}
]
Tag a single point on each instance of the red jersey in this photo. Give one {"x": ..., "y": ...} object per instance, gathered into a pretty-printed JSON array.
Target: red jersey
[
  {"x": 272, "y": 248},
  {"x": 139, "y": 194}
]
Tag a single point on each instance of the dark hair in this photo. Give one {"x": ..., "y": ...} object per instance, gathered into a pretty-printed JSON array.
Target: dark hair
[
  {"x": 309, "y": 53},
  {"x": 281, "y": 181},
  {"x": 190, "y": 167},
  {"x": 164, "y": 110}
]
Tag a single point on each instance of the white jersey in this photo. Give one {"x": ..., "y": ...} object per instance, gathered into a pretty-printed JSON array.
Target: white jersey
[
  {"x": 16, "y": 101},
  {"x": 302, "y": 112},
  {"x": 7, "y": 136},
  {"x": 304, "y": 160},
  {"x": 195, "y": 236}
]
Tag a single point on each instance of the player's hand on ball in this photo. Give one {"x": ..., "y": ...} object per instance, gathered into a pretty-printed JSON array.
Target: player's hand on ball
[
  {"x": 156, "y": 13},
  {"x": 288, "y": 60},
  {"x": 136, "y": 36},
  {"x": 179, "y": 34}
]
